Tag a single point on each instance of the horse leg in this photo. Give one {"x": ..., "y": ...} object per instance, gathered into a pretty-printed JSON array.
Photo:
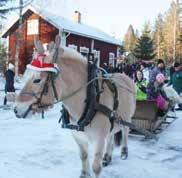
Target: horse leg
[
  {"x": 98, "y": 155},
  {"x": 83, "y": 148},
  {"x": 124, "y": 148},
  {"x": 109, "y": 148}
]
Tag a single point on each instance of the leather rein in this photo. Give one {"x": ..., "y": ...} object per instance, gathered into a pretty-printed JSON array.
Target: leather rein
[{"x": 39, "y": 95}]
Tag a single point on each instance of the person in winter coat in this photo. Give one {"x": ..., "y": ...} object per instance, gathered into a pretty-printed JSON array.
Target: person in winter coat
[
  {"x": 145, "y": 71},
  {"x": 156, "y": 70},
  {"x": 9, "y": 77},
  {"x": 176, "y": 80},
  {"x": 140, "y": 85},
  {"x": 156, "y": 93}
]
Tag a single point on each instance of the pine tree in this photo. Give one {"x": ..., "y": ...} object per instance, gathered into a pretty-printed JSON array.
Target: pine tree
[
  {"x": 144, "y": 49},
  {"x": 129, "y": 39}
]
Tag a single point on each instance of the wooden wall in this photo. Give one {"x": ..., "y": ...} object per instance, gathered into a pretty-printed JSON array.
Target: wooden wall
[{"x": 105, "y": 49}]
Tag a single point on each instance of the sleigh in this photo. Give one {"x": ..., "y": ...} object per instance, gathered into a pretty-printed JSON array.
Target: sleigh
[{"x": 147, "y": 117}]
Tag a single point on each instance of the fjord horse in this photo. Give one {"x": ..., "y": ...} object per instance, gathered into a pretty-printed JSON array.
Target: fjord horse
[{"x": 72, "y": 76}]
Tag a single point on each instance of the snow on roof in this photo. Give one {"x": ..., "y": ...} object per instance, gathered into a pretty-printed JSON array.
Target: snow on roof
[{"x": 70, "y": 26}]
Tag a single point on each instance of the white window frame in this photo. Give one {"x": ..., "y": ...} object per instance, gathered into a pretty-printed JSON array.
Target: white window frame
[
  {"x": 84, "y": 50},
  {"x": 33, "y": 27},
  {"x": 73, "y": 46},
  {"x": 111, "y": 59}
]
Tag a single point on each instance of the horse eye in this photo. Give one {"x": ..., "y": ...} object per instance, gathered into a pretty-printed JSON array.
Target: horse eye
[{"x": 37, "y": 81}]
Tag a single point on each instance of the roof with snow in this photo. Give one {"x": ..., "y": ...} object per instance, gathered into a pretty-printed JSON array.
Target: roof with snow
[{"x": 69, "y": 26}]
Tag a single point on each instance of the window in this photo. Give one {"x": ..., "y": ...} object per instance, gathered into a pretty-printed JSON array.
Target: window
[
  {"x": 33, "y": 27},
  {"x": 84, "y": 51},
  {"x": 72, "y": 46},
  {"x": 111, "y": 59}
]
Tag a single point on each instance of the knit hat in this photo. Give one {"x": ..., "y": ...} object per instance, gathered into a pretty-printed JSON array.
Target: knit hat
[
  {"x": 160, "y": 78},
  {"x": 176, "y": 64},
  {"x": 11, "y": 66},
  {"x": 160, "y": 61},
  {"x": 39, "y": 65}
]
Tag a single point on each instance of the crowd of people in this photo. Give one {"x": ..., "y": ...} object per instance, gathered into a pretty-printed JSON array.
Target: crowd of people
[{"x": 149, "y": 81}]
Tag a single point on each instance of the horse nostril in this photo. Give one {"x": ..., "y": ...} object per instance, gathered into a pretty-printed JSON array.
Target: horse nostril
[{"x": 15, "y": 110}]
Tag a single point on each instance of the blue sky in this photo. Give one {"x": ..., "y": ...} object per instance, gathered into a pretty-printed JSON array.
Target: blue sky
[{"x": 111, "y": 16}]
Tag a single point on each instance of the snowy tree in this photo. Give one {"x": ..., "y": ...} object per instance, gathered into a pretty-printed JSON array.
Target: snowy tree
[{"x": 144, "y": 49}]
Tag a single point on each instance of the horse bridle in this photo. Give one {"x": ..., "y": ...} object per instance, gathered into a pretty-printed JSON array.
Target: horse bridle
[{"x": 38, "y": 97}]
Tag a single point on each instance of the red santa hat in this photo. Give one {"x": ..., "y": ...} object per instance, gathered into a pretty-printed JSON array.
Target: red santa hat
[{"x": 38, "y": 64}]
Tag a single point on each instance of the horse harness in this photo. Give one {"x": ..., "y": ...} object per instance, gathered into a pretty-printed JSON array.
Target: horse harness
[{"x": 92, "y": 105}]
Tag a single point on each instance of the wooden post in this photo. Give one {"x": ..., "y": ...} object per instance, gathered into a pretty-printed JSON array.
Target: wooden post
[{"x": 18, "y": 39}]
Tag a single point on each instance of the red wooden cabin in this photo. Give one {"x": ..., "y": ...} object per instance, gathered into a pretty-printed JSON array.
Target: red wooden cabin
[{"x": 82, "y": 38}]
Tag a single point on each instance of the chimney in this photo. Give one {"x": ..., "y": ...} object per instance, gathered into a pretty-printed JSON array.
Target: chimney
[{"x": 77, "y": 17}]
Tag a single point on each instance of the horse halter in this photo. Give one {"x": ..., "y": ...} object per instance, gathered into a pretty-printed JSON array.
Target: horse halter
[{"x": 50, "y": 78}]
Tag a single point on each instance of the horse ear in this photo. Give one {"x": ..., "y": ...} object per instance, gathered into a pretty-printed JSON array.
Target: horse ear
[
  {"x": 40, "y": 47},
  {"x": 57, "y": 41},
  {"x": 35, "y": 39},
  {"x": 50, "y": 46}
]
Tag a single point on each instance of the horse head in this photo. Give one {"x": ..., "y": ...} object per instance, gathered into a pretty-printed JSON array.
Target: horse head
[{"x": 37, "y": 93}]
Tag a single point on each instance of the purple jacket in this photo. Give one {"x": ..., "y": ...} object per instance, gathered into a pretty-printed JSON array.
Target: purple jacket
[{"x": 153, "y": 73}]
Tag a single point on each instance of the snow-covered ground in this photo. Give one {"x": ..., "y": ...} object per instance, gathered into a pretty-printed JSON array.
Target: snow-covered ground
[{"x": 40, "y": 148}]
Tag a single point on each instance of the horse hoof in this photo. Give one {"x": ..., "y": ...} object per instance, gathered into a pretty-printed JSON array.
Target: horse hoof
[
  {"x": 124, "y": 153},
  {"x": 105, "y": 163},
  {"x": 124, "y": 157},
  {"x": 106, "y": 160},
  {"x": 85, "y": 174}
]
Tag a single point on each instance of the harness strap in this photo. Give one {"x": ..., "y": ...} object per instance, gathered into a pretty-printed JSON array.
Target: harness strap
[
  {"x": 92, "y": 97},
  {"x": 28, "y": 110},
  {"x": 106, "y": 111},
  {"x": 147, "y": 134},
  {"x": 54, "y": 88},
  {"x": 111, "y": 85}
]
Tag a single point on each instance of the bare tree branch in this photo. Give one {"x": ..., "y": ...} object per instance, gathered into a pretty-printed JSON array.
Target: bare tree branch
[{"x": 6, "y": 10}]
